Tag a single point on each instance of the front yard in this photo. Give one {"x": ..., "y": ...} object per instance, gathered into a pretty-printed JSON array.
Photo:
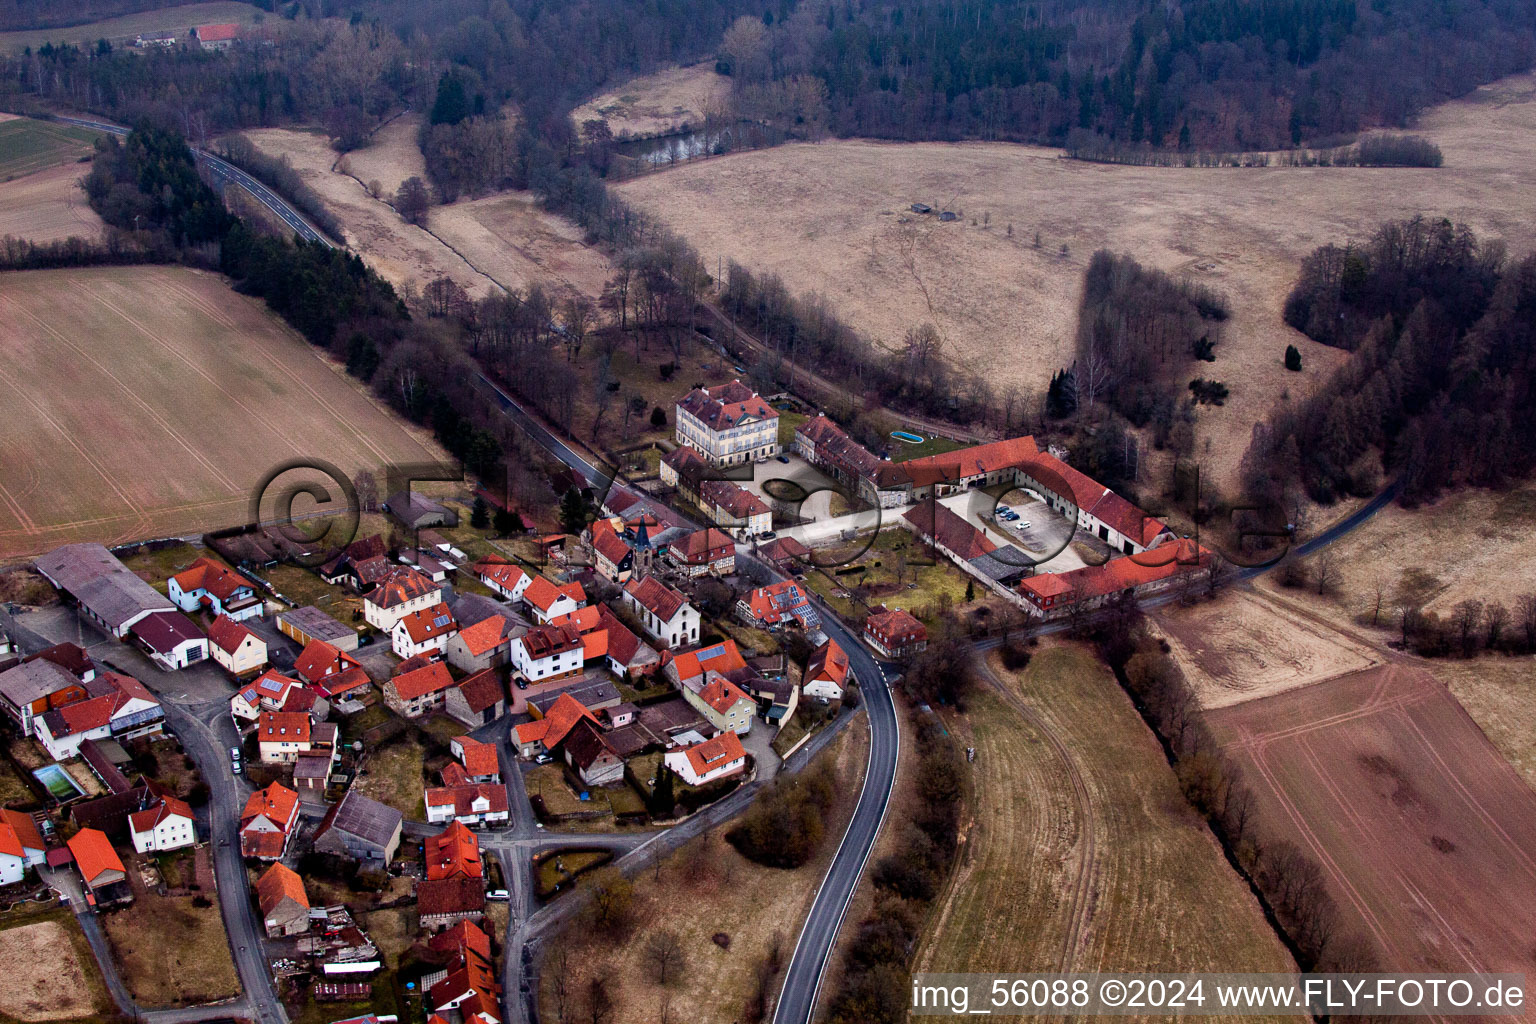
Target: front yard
[
  {"x": 896, "y": 570},
  {"x": 170, "y": 951}
]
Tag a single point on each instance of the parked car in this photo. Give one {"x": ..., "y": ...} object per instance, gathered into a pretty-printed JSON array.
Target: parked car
[
  {"x": 767, "y": 535},
  {"x": 543, "y": 759},
  {"x": 784, "y": 459},
  {"x": 1022, "y": 524}
]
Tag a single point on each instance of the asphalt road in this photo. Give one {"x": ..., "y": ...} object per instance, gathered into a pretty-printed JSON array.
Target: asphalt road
[{"x": 224, "y": 172}]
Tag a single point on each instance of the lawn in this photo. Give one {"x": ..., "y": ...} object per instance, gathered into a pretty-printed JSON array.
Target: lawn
[
  {"x": 557, "y": 869},
  {"x": 891, "y": 564},
  {"x": 188, "y": 961},
  {"x": 789, "y": 422},
  {"x": 301, "y": 587},
  {"x": 14, "y": 791},
  {"x": 28, "y": 145},
  {"x": 901, "y": 450},
  {"x": 159, "y": 566},
  {"x": 1080, "y": 830},
  {"x": 395, "y": 775}
]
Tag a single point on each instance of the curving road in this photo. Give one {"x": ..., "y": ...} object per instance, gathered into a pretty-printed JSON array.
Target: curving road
[{"x": 223, "y": 173}]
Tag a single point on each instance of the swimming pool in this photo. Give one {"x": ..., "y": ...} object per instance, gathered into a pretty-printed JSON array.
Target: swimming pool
[
  {"x": 58, "y": 782},
  {"x": 902, "y": 435}
]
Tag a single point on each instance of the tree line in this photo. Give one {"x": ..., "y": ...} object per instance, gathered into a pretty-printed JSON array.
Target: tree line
[
  {"x": 1440, "y": 386},
  {"x": 1150, "y": 76},
  {"x": 1288, "y": 881}
]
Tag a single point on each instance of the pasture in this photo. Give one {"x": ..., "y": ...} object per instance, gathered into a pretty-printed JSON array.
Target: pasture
[
  {"x": 1425, "y": 835},
  {"x": 834, "y": 218},
  {"x": 149, "y": 401},
  {"x": 126, "y": 28},
  {"x": 1080, "y": 831},
  {"x": 28, "y": 145}
]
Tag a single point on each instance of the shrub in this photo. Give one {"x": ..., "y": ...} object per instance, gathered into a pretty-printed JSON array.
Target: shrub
[{"x": 1293, "y": 358}]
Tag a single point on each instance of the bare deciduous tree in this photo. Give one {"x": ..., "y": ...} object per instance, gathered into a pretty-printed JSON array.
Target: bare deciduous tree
[{"x": 664, "y": 950}]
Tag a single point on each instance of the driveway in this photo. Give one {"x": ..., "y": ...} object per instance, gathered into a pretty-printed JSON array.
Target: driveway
[
  {"x": 816, "y": 484},
  {"x": 759, "y": 743},
  {"x": 1048, "y": 537}
]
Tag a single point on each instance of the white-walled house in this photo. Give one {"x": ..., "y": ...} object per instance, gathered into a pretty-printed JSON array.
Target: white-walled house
[
  {"x": 423, "y": 632},
  {"x": 717, "y": 758},
  {"x": 236, "y": 649},
  {"x": 119, "y": 706},
  {"x": 504, "y": 578},
  {"x": 826, "y": 673},
  {"x": 664, "y": 612},
  {"x": 21, "y": 846},
  {"x": 399, "y": 594},
  {"x": 548, "y": 652},
  {"x": 218, "y": 588},
  {"x": 164, "y": 825},
  {"x": 728, "y": 424}
]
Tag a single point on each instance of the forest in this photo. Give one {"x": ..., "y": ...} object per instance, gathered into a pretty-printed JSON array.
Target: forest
[{"x": 1440, "y": 391}]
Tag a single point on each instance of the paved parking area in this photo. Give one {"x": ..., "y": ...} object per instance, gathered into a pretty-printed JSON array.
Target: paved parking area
[
  {"x": 819, "y": 486},
  {"x": 1048, "y": 537}
]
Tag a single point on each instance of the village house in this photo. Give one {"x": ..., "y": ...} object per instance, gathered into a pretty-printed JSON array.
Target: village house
[
  {"x": 546, "y": 600},
  {"x": 482, "y": 645},
  {"x": 544, "y": 734},
  {"x": 106, "y": 880},
  {"x": 1050, "y": 595},
  {"x": 397, "y": 595},
  {"x": 171, "y": 640},
  {"x": 548, "y": 652},
  {"x": 690, "y": 670},
  {"x": 478, "y": 699},
  {"x": 217, "y": 37},
  {"x": 826, "y": 674},
  {"x": 735, "y": 508},
  {"x": 729, "y": 424},
  {"x": 21, "y": 846},
  {"x": 360, "y": 828},
  {"x": 116, "y": 705},
  {"x": 284, "y": 903},
  {"x": 479, "y": 759},
  {"x": 36, "y": 686},
  {"x": 236, "y": 649},
  {"x": 282, "y": 736},
  {"x": 267, "y": 821},
  {"x": 273, "y": 691},
  {"x": 777, "y": 604},
  {"x": 713, "y": 759},
  {"x": 664, "y": 612},
  {"x": 209, "y": 585},
  {"x": 453, "y": 853},
  {"x": 418, "y": 691},
  {"x": 785, "y": 553},
  {"x": 504, "y": 578},
  {"x": 591, "y": 756},
  {"x": 724, "y": 705},
  {"x": 703, "y": 552},
  {"x": 307, "y": 624},
  {"x": 106, "y": 590},
  {"x": 612, "y": 556},
  {"x": 312, "y": 771},
  {"x": 467, "y": 987},
  {"x": 472, "y": 803},
  {"x": 607, "y": 640},
  {"x": 684, "y": 470},
  {"x": 894, "y": 633},
  {"x": 426, "y": 631},
  {"x": 166, "y": 824},
  {"x": 358, "y": 565},
  {"x": 330, "y": 671}
]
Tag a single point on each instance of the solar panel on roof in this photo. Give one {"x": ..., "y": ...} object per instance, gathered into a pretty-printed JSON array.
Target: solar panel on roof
[
  {"x": 442, "y": 620},
  {"x": 711, "y": 652}
]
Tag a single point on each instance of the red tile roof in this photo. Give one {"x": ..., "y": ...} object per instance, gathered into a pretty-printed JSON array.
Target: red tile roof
[
  {"x": 547, "y": 641},
  {"x": 949, "y": 530},
  {"x": 895, "y": 626},
  {"x": 277, "y": 882},
  {"x": 723, "y": 657},
  {"x": 463, "y": 798},
  {"x": 1160, "y": 563},
  {"x": 828, "y": 662},
  {"x": 563, "y": 715},
  {"x": 655, "y": 597},
  {"x": 463, "y": 936},
  {"x": 479, "y": 758},
  {"x": 227, "y": 634},
  {"x": 276, "y": 803},
  {"x": 784, "y": 549},
  {"x": 453, "y": 853},
  {"x": 503, "y": 574},
  {"x": 714, "y": 753},
  {"x": 94, "y": 855},
  {"x": 18, "y": 833},
  {"x": 722, "y": 695},
  {"x": 485, "y": 635},
  {"x": 319, "y": 659},
  {"x": 422, "y": 681},
  {"x": 703, "y": 546},
  {"x": 283, "y": 727},
  {"x": 344, "y": 683},
  {"x": 482, "y": 690},
  {"x": 726, "y": 405},
  {"x": 403, "y": 584},
  {"x": 969, "y": 462},
  {"x": 450, "y": 896},
  {"x": 834, "y": 446},
  {"x": 167, "y": 807},
  {"x": 542, "y": 593},
  {"x": 734, "y": 501},
  {"x": 205, "y": 574},
  {"x": 607, "y": 542},
  {"x": 429, "y": 623},
  {"x": 216, "y": 33}
]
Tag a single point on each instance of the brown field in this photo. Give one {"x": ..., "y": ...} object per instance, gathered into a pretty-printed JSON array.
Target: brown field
[
  {"x": 1087, "y": 841},
  {"x": 166, "y": 19},
  {"x": 48, "y": 206},
  {"x": 659, "y": 103},
  {"x": 706, "y": 887},
  {"x": 46, "y": 975},
  {"x": 154, "y": 400},
  {"x": 1426, "y": 836},
  {"x": 1247, "y": 645},
  {"x": 187, "y": 963},
  {"x": 503, "y": 240},
  {"x": 832, "y": 218}
]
